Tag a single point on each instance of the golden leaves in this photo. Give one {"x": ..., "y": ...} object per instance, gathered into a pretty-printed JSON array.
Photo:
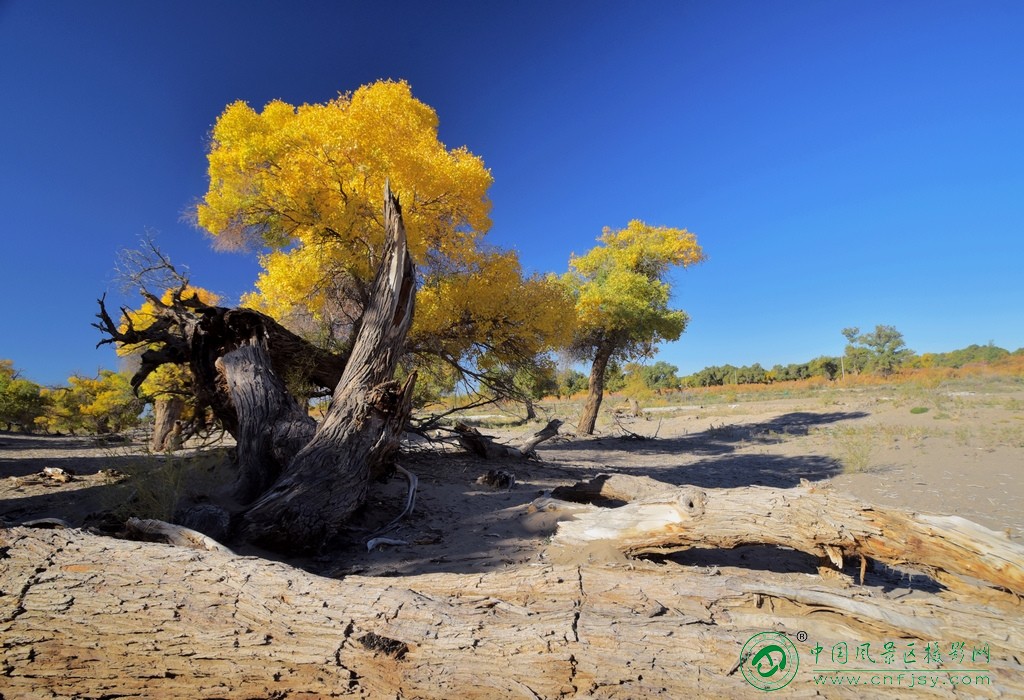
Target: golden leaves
[
  {"x": 299, "y": 175},
  {"x": 307, "y": 182}
]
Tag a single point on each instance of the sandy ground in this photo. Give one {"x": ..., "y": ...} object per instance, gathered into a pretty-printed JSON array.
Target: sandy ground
[{"x": 963, "y": 456}]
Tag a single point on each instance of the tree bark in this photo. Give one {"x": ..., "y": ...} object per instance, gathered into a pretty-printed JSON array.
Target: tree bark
[
  {"x": 595, "y": 393},
  {"x": 809, "y": 518},
  {"x": 166, "y": 411},
  {"x": 188, "y": 332},
  {"x": 272, "y": 426},
  {"x": 302, "y": 480},
  {"x": 87, "y": 616},
  {"x": 327, "y": 480}
]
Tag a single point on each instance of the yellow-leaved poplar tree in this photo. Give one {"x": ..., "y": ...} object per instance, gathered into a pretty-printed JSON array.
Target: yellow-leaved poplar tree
[
  {"x": 622, "y": 296},
  {"x": 303, "y": 184}
]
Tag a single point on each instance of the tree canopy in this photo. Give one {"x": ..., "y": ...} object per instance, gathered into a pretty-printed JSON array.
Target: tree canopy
[
  {"x": 97, "y": 405},
  {"x": 303, "y": 184},
  {"x": 21, "y": 401}
]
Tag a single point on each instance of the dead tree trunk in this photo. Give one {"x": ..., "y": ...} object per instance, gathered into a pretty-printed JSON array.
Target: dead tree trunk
[
  {"x": 272, "y": 426},
  {"x": 301, "y": 480},
  {"x": 166, "y": 411},
  {"x": 86, "y": 616},
  {"x": 328, "y": 478}
]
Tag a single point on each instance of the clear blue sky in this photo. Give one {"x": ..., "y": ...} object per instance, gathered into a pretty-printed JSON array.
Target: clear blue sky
[{"x": 842, "y": 163}]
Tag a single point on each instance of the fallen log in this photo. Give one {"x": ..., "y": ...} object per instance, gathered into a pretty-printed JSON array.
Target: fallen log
[
  {"x": 809, "y": 518},
  {"x": 472, "y": 440},
  {"x": 611, "y": 489},
  {"x": 88, "y": 616}
]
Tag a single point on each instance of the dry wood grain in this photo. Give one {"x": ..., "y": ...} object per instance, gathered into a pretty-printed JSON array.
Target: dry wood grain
[{"x": 86, "y": 616}]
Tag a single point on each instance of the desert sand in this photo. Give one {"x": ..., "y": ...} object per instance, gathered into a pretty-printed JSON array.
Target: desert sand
[{"x": 948, "y": 450}]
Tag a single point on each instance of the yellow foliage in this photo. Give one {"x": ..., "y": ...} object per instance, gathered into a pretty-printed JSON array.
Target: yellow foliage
[
  {"x": 314, "y": 175},
  {"x": 491, "y": 309},
  {"x": 307, "y": 183},
  {"x": 95, "y": 404}
]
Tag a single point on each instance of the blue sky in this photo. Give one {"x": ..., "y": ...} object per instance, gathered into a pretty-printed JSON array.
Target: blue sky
[{"x": 842, "y": 163}]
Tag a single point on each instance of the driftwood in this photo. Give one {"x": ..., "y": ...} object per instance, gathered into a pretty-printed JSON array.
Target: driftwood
[
  {"x": 611, "y": 489},
  {"x": 174, "y": 534},
  {"x": 87, "y": 616},
  {"x": 472, "y": 440},
  {"x": 810, "y": 518}
]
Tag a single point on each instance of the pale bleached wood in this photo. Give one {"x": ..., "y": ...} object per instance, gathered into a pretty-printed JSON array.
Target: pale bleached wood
[
  {"x": 86, "y": 616},
  {"x": 809, "y": 518},
  {"x": 174, "y": 534}
]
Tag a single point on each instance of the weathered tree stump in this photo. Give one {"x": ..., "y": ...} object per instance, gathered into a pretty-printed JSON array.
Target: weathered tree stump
[
  {"x": 167, "y": 411},
  {"x": 327, "y": 479},
  {"x": 298, "y": 481}
]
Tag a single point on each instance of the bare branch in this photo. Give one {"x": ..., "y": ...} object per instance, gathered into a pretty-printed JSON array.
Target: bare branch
[{"x": 149, "y": 269}]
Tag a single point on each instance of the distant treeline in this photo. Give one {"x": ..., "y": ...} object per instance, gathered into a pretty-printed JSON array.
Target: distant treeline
[
  {"x": 882, "y": 354},
  {"x": 853, "y": 362},
  {"x": 105, "y": 403}
]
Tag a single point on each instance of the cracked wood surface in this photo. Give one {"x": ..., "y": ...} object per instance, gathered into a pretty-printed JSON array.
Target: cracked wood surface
[{"x": 87, "y": 616}]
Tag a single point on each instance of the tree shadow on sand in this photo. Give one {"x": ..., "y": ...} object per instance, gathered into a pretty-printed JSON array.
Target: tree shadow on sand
[
  {"x": 736, "y": 471},
  {"x": 720, "y": 465}
]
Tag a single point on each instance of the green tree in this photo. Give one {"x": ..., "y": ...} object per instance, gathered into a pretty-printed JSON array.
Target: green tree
[
  {"x": 754, "y": 374},
  {"x": 881, "y": 351},
  {"x": 622, "y": 296},
  {"x": 571, "y": 382},
  {"x": 964, "y": 356},
  {"x": 856, "y": 357},
  {"x": 657, "y": 377},
  {"x": 827, "y": 367}
]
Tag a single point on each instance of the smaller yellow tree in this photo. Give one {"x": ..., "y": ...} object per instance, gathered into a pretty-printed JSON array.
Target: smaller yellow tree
[
  {"x": 21, "y": 401},
  {"x": 622, "y": 299},
  {"x": 98, "y": 405}
]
